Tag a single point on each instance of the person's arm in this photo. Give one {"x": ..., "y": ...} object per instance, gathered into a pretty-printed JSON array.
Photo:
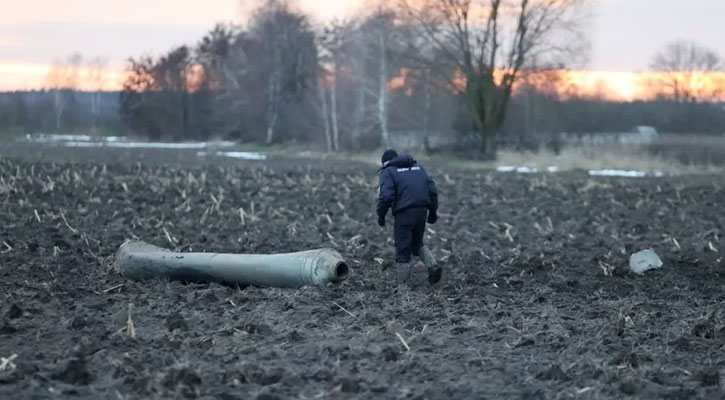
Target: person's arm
[
  {"x": 433, "y": 201},
  {"x": 386, "y": 195},
  {"x": 432, "y": 195}
]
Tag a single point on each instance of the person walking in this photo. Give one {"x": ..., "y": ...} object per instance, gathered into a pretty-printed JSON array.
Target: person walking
[{"x": 411, "y": 194}]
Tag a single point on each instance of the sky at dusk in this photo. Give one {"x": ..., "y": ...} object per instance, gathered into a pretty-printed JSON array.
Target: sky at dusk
[{"x": 624, "y": 34}]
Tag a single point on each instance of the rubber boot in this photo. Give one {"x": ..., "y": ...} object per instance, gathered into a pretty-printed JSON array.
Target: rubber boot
[
  {"x": 403, "y": 272},
  {"x": 434, "y": 271}
]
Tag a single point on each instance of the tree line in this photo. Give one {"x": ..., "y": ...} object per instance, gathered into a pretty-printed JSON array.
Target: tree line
[
  {"x": 490, "y": 70},
  {"x": 281, "y": 78}
]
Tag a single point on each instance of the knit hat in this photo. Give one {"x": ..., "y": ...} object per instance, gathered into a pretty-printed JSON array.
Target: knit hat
[{"x": 388, "y": 155}]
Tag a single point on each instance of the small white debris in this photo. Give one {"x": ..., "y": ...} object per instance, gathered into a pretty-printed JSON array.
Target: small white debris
[{"x": 7, "y": 363}]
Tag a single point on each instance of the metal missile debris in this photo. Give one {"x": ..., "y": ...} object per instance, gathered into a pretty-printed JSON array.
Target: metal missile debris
[
  {"x": 643, "y": 261},
  {"x": 138, "y": 260}
]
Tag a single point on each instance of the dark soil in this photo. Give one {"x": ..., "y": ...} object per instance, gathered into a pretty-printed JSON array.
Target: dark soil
[{"x": 536, "y": 300}]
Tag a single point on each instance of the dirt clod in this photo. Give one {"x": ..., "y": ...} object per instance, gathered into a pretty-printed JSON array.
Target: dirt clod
[
  {"x": 627, "y": 360},
  {"x": 705, "y": 329},
  {"x": 74, "y": 371},
  {"x": 709, "y": 377},
  {"x": 268, "y": 396},
  {"x": 14, "y": 312},
  {"x": 350, "y": 385},
  {"x": 628, "y": 388},
  {"x": 176, "y": 321},
  {"x": 184, "y": 379},
  {"x": 554, "y": 372}
]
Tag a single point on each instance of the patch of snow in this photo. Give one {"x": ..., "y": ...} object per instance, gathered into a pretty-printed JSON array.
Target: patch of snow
[
  {"x": 244, "y": 155},
  {"x": 625, "y": 173},
  {"x": 120, "y": 142},
  {"x": 56, "y": 138},
  {"x": 525, "y": 170},
  {"x": 520, "y": 170},
  {"x": 83, "y": 144},
  {"x": 150, "y": 145}
]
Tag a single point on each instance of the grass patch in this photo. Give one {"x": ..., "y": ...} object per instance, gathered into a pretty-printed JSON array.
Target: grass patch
[{"x": 691, "y": 150}]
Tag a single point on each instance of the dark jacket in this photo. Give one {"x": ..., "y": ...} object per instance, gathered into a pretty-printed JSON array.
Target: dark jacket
[{"x": 404, "y": 184}]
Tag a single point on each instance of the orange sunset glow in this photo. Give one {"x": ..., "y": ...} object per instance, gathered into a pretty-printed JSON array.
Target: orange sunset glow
[
  {"x": 32, "y": 38},
  {"x": 607, "y": 85},
  {"x": 631, "y": 86}
]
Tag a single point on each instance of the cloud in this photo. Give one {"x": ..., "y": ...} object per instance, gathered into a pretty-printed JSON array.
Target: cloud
[
  {"x": 156, "y": 12},
  {"x": 8, "y": 41},
  {"x": 21, "y": 76},
  {"x": 32, "y": 76},
  {"x": 45, "y": 42}
]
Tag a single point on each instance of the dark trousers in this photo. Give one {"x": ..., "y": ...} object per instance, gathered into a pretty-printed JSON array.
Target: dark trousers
[{"x": 408, "y": 232}]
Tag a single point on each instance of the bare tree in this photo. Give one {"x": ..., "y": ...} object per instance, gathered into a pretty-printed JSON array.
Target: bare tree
[
  {"x": 97, "y": 79},
  {"x": 488, "y": 43},
  {"x": 371, "y": 52},
  {"x": 538, "y": 94},
  {"x": 156, "y": 94},
  {"x": 349, "y": 56},
  {"x": 326, "y": 56},
  {"x": 358, "y": 61},
  {"x": 224, "y": 54},
  {"x": 62, "y": 80},
  {"x": 379, "y": 47},
  {"x": 333, "y": 43},
  {"x": 172, "y": 73},
  {"x": 684, "y": 72},
  {"x": 288, "y": 54},
  {"x": 382, "y": 35},
  {"x": 324, "y": 115},
  {"x": 213, "y": 53}
]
